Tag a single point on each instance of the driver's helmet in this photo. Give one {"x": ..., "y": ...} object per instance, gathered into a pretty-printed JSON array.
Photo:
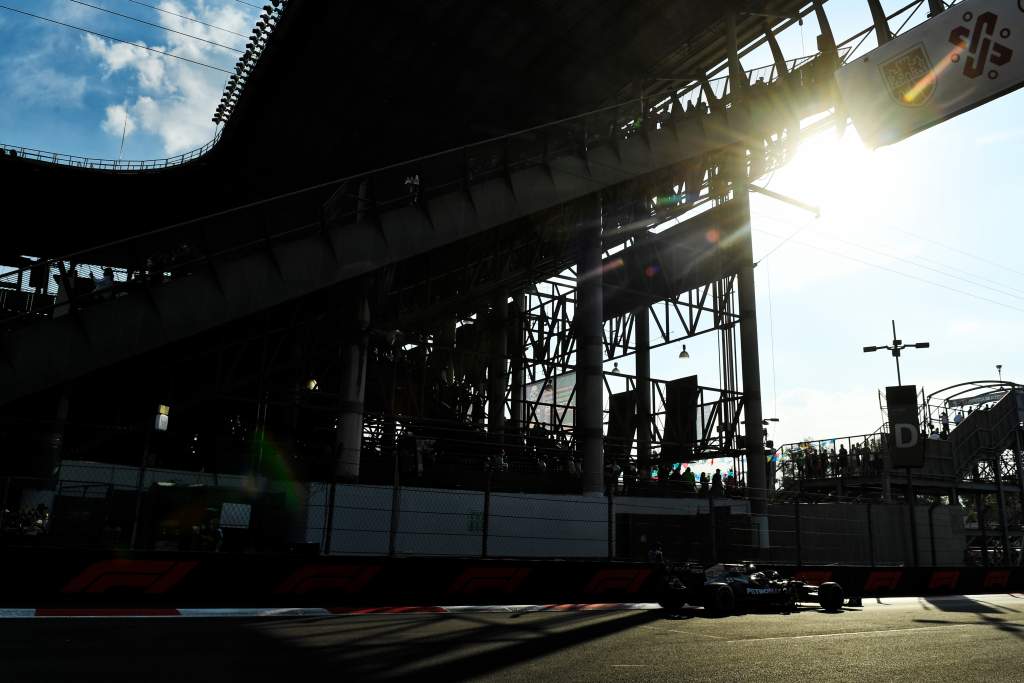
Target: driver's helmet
[{"x": 759, "y": 579}]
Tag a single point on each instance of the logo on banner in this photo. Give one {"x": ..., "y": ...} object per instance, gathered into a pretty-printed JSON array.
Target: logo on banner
[
  {"x": 909, "y": 77},
  {"x": 980, "y": 45},
  {"x": 149, "y": 576}
]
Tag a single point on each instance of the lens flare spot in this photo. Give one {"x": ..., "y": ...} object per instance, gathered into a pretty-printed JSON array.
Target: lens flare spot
[
  {"x": 651, "y": 270},
  {"x": 713, "y": 235}
]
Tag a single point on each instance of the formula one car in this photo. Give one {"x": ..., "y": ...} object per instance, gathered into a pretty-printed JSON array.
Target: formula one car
[{"x": 721, "y": 588}]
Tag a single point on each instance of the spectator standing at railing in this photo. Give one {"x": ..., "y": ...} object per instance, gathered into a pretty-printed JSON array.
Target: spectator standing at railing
[
  {"x": 104, "y": 286},
  {"x": 689, "y": 481},
  {"x": 704, "y": 483},
  {"x": 716, "y": 484}
]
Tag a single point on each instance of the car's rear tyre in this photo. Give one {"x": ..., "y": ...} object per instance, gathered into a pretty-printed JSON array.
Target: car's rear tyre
[
  {"x": 719, "y": 598},
  {"x": 672, "y": 598},
  {"x": 830, "y": 596}
]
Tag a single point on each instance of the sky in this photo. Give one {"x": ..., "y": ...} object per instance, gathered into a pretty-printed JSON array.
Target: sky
[
  {"x": 924, "y": 232},
  {"x": 75, "y": 93}
]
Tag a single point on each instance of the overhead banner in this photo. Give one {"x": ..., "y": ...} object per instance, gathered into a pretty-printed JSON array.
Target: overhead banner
[
  {"x": 905, "y": 445},
  {"x": 969, "y": 54}
]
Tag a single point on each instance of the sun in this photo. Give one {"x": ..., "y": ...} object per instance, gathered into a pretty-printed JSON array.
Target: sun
[{"x": 837, "y": 172}]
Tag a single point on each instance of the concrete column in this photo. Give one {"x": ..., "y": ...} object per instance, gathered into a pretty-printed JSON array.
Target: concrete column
[
  {"x": 349, "y": 435},
  {"x": 589, "y": 326},
  {"x": 642, "y": 318},
  {"x": 496, "y": 370}
]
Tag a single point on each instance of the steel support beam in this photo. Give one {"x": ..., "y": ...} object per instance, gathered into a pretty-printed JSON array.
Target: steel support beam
[
  {"x": 882, "y": 31},
  {"x": 642, "y": 321},
  {"x": 589, "y": 328},
  {"x": 517, "y": 311},
  {"x": 496, "y": 371},
  {"x": 777, "y": 56},
  {"x": 828, "y": 39}
]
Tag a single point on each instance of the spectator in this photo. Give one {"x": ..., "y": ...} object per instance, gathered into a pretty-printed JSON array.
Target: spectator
[
  {"x": 689, "y": 481},
  {"x": 716, "y": 484},
  {"x": 103, "y": 286},
  {"x": 704, "y": 482},
  {"x": 958, "y": 418}
]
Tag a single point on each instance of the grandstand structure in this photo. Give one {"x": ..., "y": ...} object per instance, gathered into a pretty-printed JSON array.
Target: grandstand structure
[
  {"x": 972, "y": 460},
  {"x": 418, "y": 272}
]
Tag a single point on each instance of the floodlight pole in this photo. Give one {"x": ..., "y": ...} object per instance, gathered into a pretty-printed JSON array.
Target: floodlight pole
[{"x": 896, "y": 348}]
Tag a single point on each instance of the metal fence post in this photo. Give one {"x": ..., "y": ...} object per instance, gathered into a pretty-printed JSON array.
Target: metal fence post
[
  {"x": 138, "y": 489},
  {"x": 486, "y": 525},
  {"x": 396, "y": 502},
  {"x": 796, "y": 528},
  {"x": 712, "y": 527},
  {"x": 3, "y": 501},
  {"x": 871, "y": 537},
  {"x": 329, "y": 514},
  {"x": 611, "y": 521}
]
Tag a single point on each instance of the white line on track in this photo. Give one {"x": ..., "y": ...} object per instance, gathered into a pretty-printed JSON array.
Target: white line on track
[{"x": 854, "y": 633}]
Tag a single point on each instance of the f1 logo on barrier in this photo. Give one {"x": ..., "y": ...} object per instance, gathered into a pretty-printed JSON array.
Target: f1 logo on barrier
[
  {"x": 883, "y": 580},
  {"x": 627, "y": 580},
  {"x": 346, "y": 578},
  {"x": 982, "y": 49},
  {"x": 944, "y": 579},
  {"x": 997, "y": 578},
  {"x": 150, "y": 576},
  {"x": 813, "y": 576},
  {"x": 474, "y": 579}
]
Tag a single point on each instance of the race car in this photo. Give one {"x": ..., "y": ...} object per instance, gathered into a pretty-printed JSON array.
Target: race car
[{"x": 721, "y": 588}]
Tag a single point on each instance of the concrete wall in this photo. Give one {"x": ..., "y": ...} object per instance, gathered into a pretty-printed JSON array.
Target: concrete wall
[{"x": 445, "y": 522}]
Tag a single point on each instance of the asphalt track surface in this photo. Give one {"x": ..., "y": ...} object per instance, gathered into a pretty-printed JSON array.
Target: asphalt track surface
[{"x": 977, "y": 638}]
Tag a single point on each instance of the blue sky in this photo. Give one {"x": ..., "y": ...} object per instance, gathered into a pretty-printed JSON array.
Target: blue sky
[
  {"x": 902, "y": 227},
  {"x": 69, "y": 92}
]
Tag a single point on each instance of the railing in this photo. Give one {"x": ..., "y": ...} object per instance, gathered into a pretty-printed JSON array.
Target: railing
[
  {"x": 96, "y": 163},
  {"x": 850, "y": 456}
]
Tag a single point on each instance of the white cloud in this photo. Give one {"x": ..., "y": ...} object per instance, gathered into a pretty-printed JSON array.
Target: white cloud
[
  {"x": 176, "y": 98},
  {"x": 118, "y": 121},
  {"x": 37, "y": 83}
]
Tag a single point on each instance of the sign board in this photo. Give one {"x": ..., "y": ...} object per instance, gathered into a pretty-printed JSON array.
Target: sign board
[
  {"x": 906, "y": 448},
  {"x": 551, "y": 403},
  {"x": 969, "y": 54}
]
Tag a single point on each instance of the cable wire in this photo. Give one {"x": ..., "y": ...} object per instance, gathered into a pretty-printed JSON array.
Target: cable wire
[
  {"x": 899, "y": 272},
  {"x": 116, "y": 40},
  {"x": 945, "y": 271},
  {"x": 188, "y": 18},
  {"x": 149, "y": 23}
]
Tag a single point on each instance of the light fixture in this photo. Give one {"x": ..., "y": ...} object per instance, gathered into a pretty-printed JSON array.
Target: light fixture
[
  {"x": 683, "y": 353},
  {"x": 163, "y": 413},
  {"x": 312, "y": 385}
]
